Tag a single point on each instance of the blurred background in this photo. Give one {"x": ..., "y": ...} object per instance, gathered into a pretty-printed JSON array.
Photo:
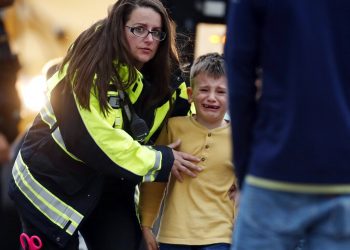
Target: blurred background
[{"x": 39, "y": 33}]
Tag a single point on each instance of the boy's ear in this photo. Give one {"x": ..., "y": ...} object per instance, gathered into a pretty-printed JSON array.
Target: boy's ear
[{"x": 189, "y": 93}]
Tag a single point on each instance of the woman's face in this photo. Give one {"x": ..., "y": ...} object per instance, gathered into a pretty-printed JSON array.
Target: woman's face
[{"x": 143, "y": 49}]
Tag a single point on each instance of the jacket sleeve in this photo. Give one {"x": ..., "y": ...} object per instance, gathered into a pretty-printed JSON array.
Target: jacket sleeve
[
  {"x": 241, "y": 53},
  {"x": 90, "y": 136}
]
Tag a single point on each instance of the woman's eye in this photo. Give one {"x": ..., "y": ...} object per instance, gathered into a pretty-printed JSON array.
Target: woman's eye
[
  {"x": 156, "y": 33},
  {"x": 139, "y": 29}
]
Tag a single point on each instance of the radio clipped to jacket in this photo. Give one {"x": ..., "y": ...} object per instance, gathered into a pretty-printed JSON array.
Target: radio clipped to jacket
[{"x": 138, "y": 127}]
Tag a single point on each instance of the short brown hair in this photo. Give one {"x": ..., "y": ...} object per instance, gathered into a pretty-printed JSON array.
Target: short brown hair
[{"x": 212, "y": 64}]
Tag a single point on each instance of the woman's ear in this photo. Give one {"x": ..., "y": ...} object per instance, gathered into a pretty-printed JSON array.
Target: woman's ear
[{"x": 189, "y": 93}]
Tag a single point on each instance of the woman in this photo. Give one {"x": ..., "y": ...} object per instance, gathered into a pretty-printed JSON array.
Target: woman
[{"x": 74, "y": 178}]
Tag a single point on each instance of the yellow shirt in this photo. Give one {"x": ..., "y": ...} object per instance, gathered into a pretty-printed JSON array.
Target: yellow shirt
[{"x": 197, "y": 211}]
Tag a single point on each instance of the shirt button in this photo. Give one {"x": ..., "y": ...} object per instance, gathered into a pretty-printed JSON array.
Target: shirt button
[
  {"x": 203, "y": 159},
  {"x": 209, "y": 134},
  {"x": 122, "y": 178},
  {"x": 89, "y": 195},
  {"x": 58, "y": 239},
  {"x": 206, "y": 146}
]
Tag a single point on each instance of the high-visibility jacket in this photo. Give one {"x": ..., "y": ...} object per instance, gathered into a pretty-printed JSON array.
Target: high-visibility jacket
[{"x": 59, "y": 171}]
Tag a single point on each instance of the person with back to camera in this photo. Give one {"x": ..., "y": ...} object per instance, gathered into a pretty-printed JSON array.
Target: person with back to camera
[
  {"x": 291, "y": 147},
  {"x": 198, "y": 212},
  {"x": 75, "y": 175}
]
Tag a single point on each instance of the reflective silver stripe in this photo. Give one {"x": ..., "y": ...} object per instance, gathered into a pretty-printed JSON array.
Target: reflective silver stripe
[
  {"x": 47, "y": 203},
  {"x": 82, "y": 244},
  {"x": 47, "y": 114},
  {"x": 49, "y": 118},
  {"x": 151, "y": 174},
  {"x": 56, "y": 135}
]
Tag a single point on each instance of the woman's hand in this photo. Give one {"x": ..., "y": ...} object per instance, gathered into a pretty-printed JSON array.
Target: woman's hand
[
  {"x": 183, "y": 163},
  {"x": 150, "y": 239}
]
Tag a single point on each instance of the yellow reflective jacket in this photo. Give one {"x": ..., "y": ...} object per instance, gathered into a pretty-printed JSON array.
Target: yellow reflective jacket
[{"x": 59, "y": 170}]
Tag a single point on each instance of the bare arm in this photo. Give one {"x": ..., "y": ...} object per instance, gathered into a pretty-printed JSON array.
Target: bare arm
[{"x": 150, "y": 240}]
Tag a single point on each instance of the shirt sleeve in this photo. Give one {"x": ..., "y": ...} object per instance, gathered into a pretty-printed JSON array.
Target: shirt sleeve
[{"x": 151, "y": 196}]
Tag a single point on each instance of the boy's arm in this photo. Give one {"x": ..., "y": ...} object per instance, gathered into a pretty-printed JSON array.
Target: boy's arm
[
  {"x": 151, "y": 196},
  {"x": 151, "y": 193},
  {"x": 149, "y": 239}
]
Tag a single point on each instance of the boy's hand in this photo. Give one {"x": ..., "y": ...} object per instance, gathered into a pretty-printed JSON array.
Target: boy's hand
[
  {"x": 150, "y": 239},
  {"x": 183, "y": 163}
]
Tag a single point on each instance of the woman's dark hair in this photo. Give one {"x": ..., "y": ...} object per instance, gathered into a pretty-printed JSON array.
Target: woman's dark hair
[{"x": 97, "y": 55}]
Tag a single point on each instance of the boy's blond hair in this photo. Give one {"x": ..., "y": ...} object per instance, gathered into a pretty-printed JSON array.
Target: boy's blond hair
[{"x": 212, "y": 64}]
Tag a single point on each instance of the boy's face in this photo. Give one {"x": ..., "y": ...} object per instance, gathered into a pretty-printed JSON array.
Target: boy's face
[{"x": 210, "y": 99}]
